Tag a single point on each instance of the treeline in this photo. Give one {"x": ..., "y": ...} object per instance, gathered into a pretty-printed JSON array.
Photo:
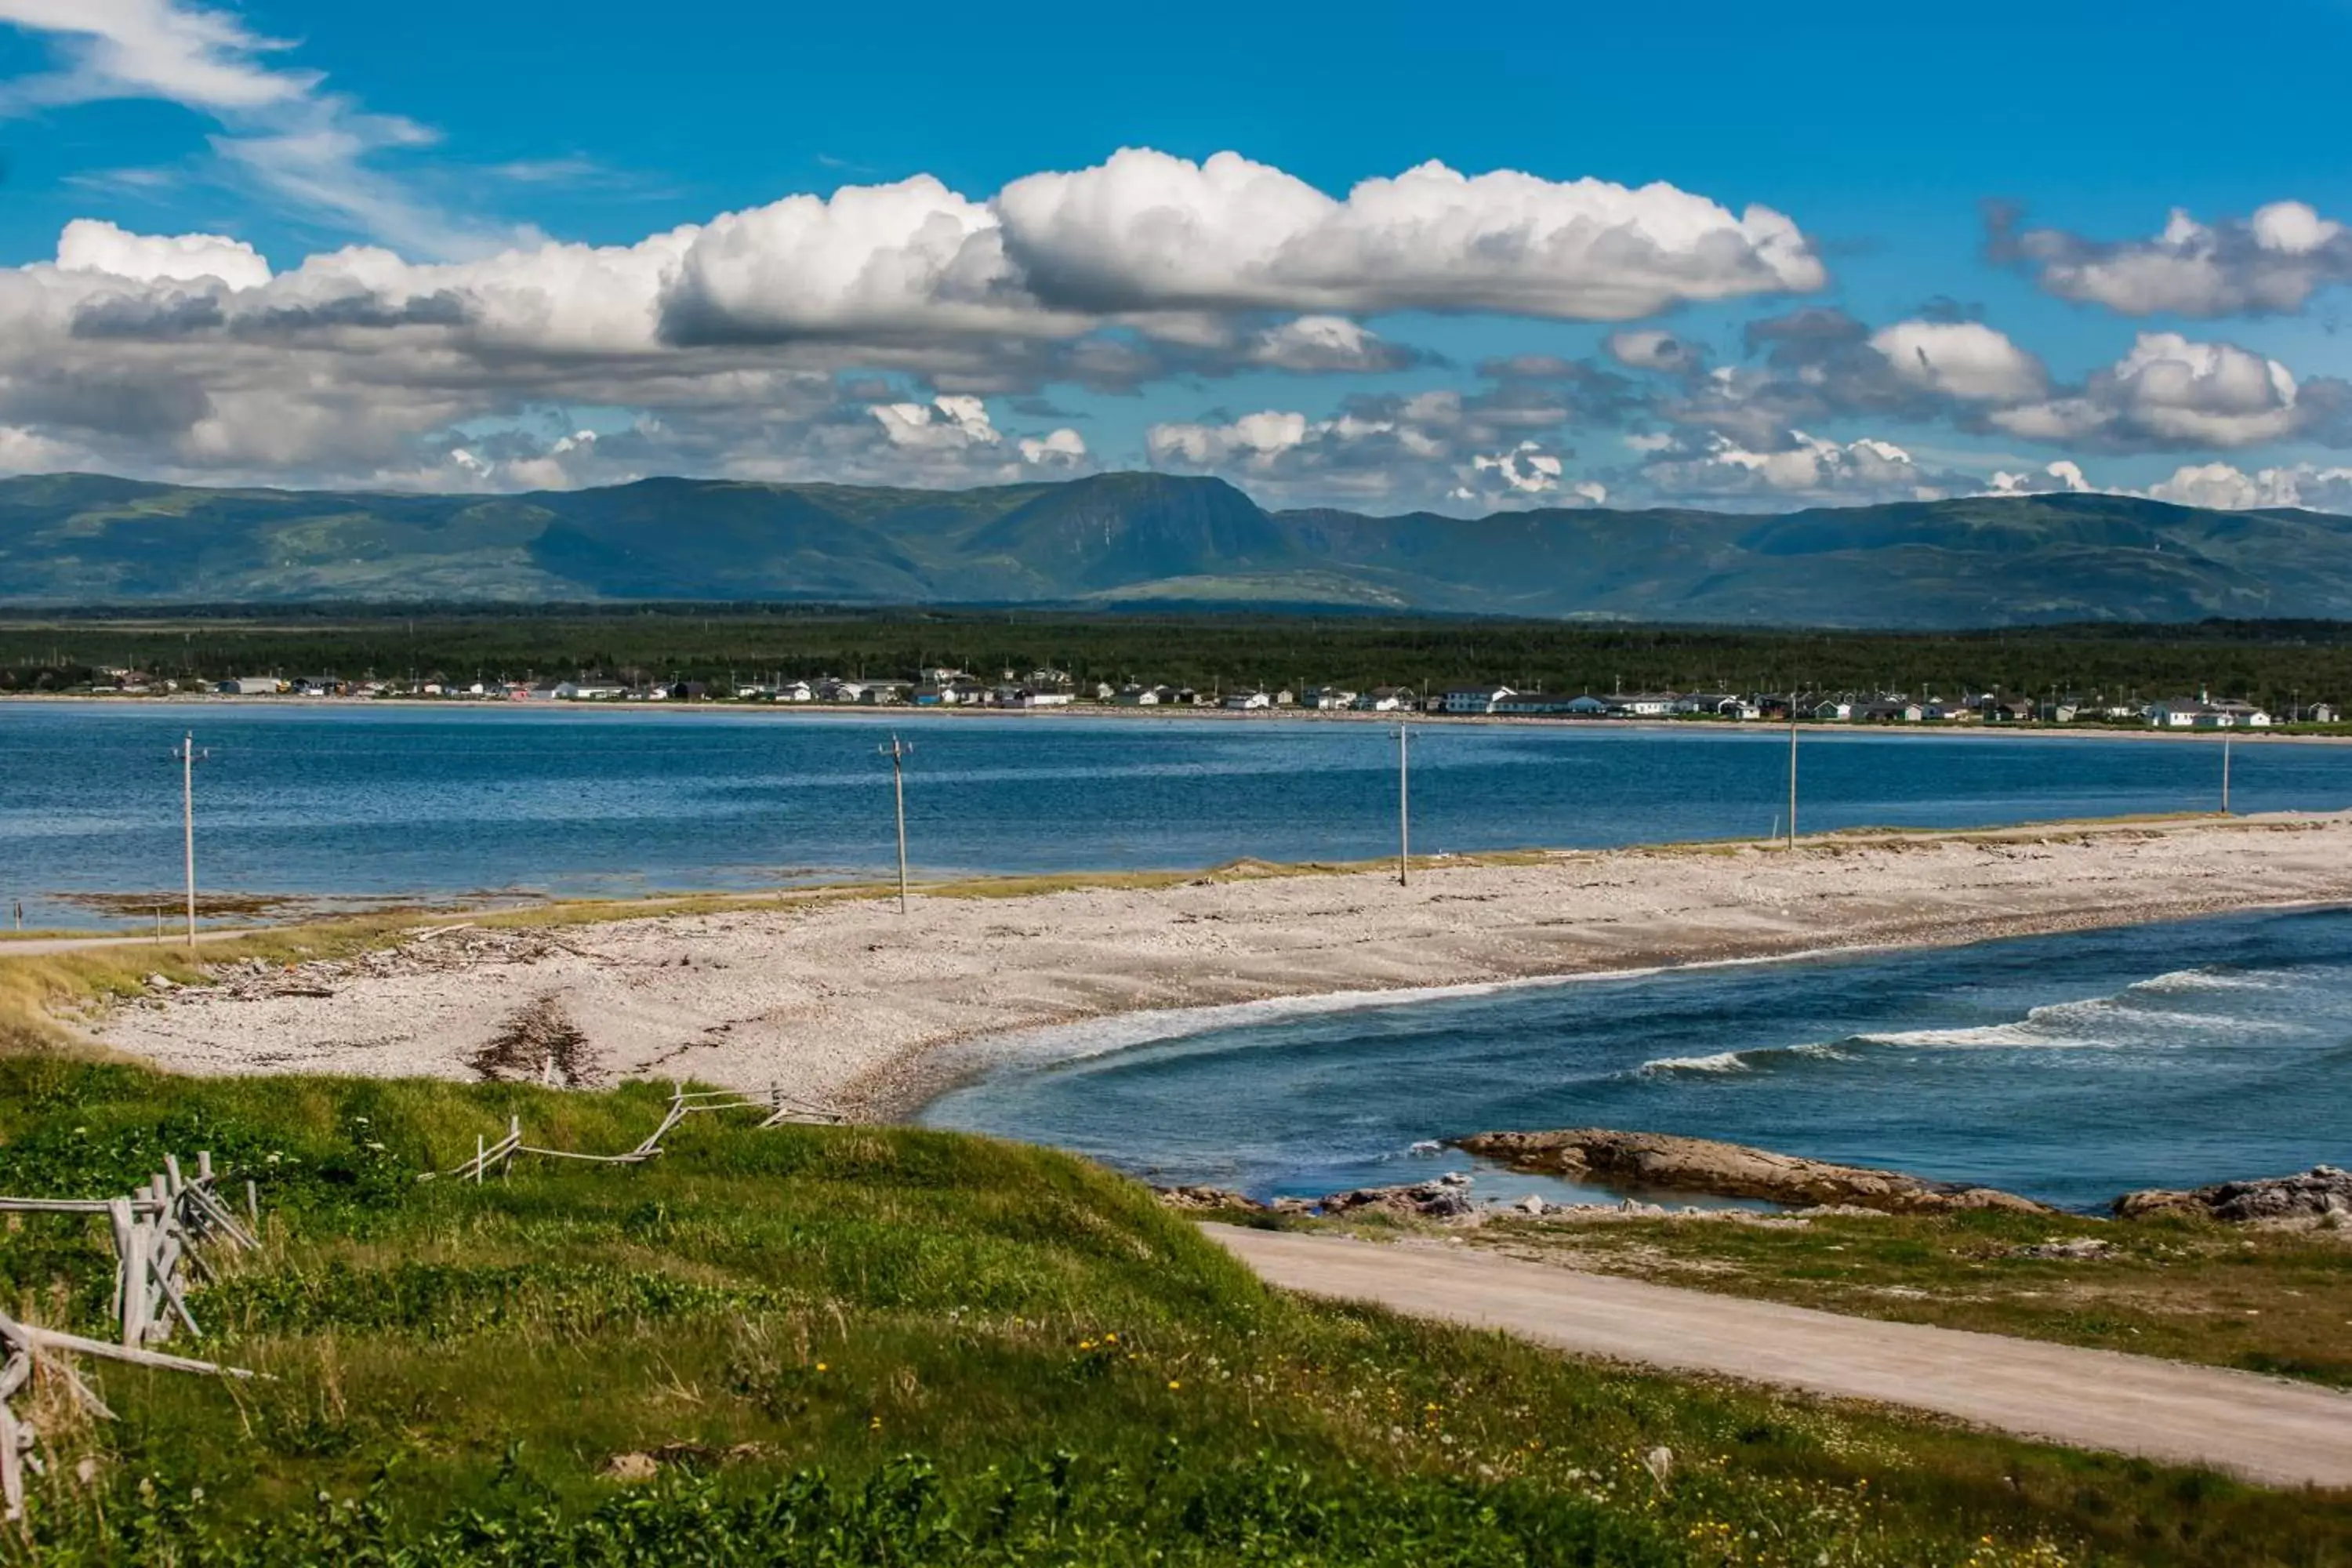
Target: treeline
[{"x": 2268, "y": 661}]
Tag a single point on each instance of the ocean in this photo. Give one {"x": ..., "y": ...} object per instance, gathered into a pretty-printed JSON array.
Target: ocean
[
  {"x": 299, "y": 807},
  {"x": 2069, "y": 1067}
]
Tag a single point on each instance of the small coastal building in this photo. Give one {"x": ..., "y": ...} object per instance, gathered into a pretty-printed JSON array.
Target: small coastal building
[
  {"x": 1833, "y": 709},
  {"x": 1325, "y": 699},
  {"x": 2196, "y": 714},
  {"x": 252, "y": 686},
  {"x": 1471, "y": 699},
  {"x": 1537, "y": 704},
  {"x": 1385, "y": 700},
  {"x": 2006, "y": 710},
  {"x": 1247, "y": 699},
  {"x": 2322, "y": 713},
  {"x": 1642, "y": 704},
  {"x": 1890, "y": 713},
  {"x": 795, "y": 692},
  {"x": 1138, "y": 695}
]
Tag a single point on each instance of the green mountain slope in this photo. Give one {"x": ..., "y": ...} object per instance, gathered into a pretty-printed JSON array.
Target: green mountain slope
[{"x": 1119, "y": 538}]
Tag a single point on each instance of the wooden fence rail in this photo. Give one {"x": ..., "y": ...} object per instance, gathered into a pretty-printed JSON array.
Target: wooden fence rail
[
  {"x": 160, "y": 1233},
  {"x": 776, "y": 1110}
]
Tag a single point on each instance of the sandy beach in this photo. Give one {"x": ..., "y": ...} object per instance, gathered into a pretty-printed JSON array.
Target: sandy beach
[{"x": 844, "y": 1004}]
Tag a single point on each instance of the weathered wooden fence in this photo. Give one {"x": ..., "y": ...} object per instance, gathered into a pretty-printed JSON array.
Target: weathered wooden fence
[
  {"x": 161, "y": 1232},
  {"x": 775, "y": 1110}
]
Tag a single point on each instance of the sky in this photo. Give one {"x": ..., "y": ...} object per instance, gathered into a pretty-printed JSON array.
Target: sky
[{"x": 1392, "y": 258}]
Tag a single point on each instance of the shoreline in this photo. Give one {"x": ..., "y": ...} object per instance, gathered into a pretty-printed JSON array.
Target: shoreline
[
  {"x": 957, "y": 1064},
  {"x": 2339, "y": 735},
  {"x": 843, "y": 1003}
]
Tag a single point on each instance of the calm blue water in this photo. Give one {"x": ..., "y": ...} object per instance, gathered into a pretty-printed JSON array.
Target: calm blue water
[
  {"x": 2071, "y": 1067},
  {"x": 434, "y": 804}
]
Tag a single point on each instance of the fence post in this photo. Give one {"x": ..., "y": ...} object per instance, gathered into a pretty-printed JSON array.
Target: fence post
[{"x": 134, "y": 1284}]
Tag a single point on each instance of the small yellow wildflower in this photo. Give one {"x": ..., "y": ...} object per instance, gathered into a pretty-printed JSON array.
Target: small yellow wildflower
[{"x": 1173, "y": 1385}]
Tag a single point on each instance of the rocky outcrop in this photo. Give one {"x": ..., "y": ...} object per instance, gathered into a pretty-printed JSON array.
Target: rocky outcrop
[
  {"x": 2323, "y": 1193},
  {"x": 1447, "y": 1197},
  {"x": 1207, "y": 1200},
  {"x": 1655, "y": 1160}
]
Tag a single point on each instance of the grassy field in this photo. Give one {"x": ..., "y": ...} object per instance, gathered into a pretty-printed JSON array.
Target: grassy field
[
  {"x": 869, "y": 1345},
  {"x": 2267, "y": 1302}
]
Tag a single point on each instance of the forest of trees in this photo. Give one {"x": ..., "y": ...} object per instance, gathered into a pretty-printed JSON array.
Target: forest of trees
[{"x": 2272, "y": 662}]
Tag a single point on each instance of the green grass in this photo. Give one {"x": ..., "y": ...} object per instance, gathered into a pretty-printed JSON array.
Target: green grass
[
  {"x": 2263, "y": 1300},
  {"x": 882, "y": 1345}
]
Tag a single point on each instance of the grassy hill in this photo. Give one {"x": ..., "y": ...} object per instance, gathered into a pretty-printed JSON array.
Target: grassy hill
[
  {"x": 1113, "y": 538},
  {"x": 888, "y": 1346}
]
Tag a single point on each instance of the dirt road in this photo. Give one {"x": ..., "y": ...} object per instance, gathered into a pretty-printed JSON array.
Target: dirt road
[{"x": 2265, "y": 1429}]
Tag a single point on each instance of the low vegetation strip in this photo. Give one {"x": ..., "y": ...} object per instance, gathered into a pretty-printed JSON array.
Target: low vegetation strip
[
  {"x": 2272, "y": 1431},
  {"x": 2266, "y": 1298},
  {"x": 833, "y": 1345}
]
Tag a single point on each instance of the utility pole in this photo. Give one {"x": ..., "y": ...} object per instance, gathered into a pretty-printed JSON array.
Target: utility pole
[
  {"x": 1792, "y": 773},
  {"x": 187, "y": 754},
  {"x": 1405, "y": 812},
  {"x": 898, "y": 751}
]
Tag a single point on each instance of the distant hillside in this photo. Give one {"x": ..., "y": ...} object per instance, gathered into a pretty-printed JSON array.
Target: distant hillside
[{"x": 73, "y": 539}]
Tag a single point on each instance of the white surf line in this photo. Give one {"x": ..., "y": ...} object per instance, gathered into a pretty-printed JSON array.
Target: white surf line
[{"x": 1045, "y": 1046}]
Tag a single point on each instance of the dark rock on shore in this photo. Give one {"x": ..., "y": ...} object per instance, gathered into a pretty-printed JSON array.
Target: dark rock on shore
[
  {"x": 1731, "y": 1170},
  {"x": 1448, "y": 1197},
  {"x": 2323, "y": 1193}
]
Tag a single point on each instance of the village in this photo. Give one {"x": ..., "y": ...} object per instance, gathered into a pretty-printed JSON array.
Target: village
[{"x": 1049, "y": 689}]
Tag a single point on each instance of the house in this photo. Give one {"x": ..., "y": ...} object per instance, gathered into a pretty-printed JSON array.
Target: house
[
  {"x": 1247, "y": 699},
  {"x": 1384, "y": 699},
  {"x": 1642, "y": 704},
  {"x": 881, "y": 693},
  {"x": 252, "y": 686},
  {"x": 319, "y": 686},
  {"x": 795, "y": 692},
  {"x": 2322, "y": 713},
  {"x": 2005, "y": 709},
  {"x": 1140, "y": 696},
  {"x": 1325, "y": 699},
  {"x": 1031, "y": 697},
  {"x": 1694, "y": 703},
  {"x": 2181, "y": 713},
  {"x": 1471, "y": 698},
  {"x": 585, "y": 692},
  {"x": 1739, "y": 708},
  {"x": 1536, "y": 704},
  {"x": 1833, "y": 709},
  {"x": 1890, "y": 713},
  {"x": 2243, "y": 715}
]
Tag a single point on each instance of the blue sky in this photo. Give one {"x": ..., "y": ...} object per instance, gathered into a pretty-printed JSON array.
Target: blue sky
[{"x": 418, "y": 185}]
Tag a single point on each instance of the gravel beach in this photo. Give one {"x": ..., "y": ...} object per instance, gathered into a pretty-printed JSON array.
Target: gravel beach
[{"x": 843, "y": 1004}]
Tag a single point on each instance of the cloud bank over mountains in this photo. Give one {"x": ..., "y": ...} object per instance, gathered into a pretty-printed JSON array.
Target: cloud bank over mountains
[{"x": 906, "y": 331}]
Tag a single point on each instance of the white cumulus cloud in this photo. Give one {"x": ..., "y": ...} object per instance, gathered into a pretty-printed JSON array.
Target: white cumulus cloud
[
  {"x": 2170, "y": 392},
  {"x": 2272, "y": 260},
  {"x": 1965, "y": 360},
  {"x": 1145, "y": 231}
]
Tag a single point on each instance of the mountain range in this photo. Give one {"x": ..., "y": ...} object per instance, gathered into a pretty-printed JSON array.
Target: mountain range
[{"x": 1128, "y": 538}]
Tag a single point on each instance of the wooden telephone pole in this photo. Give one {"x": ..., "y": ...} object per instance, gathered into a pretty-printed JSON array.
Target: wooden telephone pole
[
  {"x": 187, "y": 757},
  {"x": 898, "y": 751},
  {"x": 1404, "y": 810},
  {"x": 1792, "y": 773}
]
